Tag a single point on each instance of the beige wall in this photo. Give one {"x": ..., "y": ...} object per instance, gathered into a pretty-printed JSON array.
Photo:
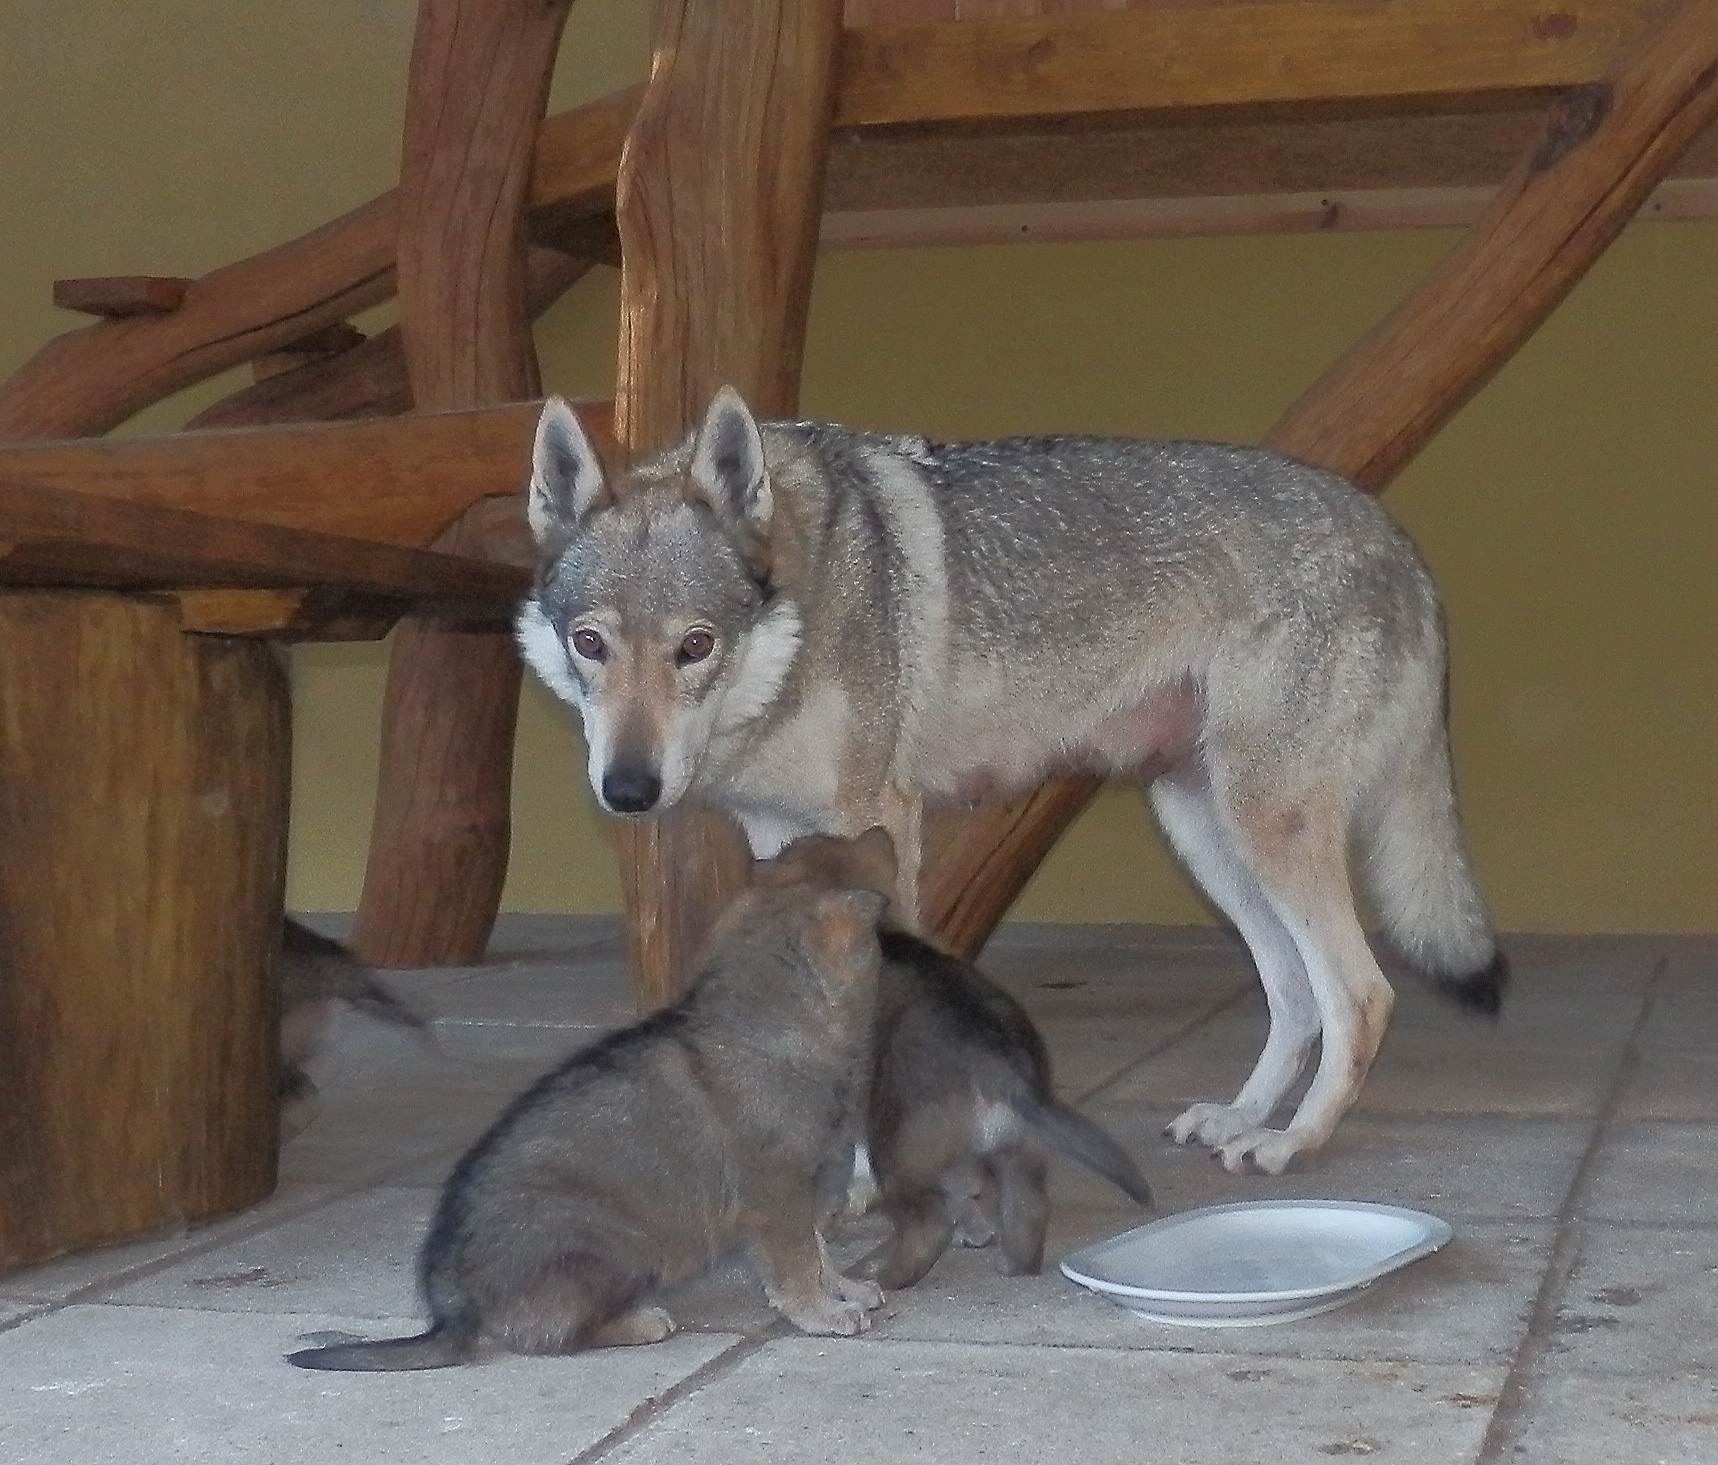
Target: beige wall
[{"x": 1568, "y": 512}]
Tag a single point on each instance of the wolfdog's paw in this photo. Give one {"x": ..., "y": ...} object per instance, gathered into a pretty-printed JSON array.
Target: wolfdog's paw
[
  {"x": 1268, "y": 1150},
  {"x": 1212, "y": 1124}
]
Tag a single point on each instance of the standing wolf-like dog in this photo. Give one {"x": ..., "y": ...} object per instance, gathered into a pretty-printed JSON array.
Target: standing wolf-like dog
[{"x": 821, "y": 630}]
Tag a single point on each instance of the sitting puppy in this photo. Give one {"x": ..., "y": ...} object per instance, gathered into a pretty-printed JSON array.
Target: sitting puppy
[
  {"x": 651, "y": 1153},
  {"x": 315, "y": 973},
  {"x": 961, "y": 1112}
]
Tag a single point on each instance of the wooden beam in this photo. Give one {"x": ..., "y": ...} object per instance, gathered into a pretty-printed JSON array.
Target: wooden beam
[
  {"x": 121, "y": 295},
  {"x": 401, "y": 481},
  {"x": 441, "y": 834},
  {"x": 1332, "y": 212},
  {"x": 718, "y": 202},
  {"x": 1272, "y": 52},
  {"x": 1601, "y": 151},
  {"x": 61, "y": 538}
]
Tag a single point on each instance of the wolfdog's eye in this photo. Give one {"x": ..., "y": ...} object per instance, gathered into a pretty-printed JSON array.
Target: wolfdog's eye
[
  {"x": 694, "y": 646},
  {"x": 589, "y": 644}
]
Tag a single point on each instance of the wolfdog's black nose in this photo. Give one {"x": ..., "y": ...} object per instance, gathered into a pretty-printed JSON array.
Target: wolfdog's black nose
[{"x": 630, "y": 790}]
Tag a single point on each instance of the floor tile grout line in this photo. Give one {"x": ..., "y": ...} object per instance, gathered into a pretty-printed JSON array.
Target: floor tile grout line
[
  {"x": 1163, "y": 1045},
  {"x": 93, "y": 1292},
  {"x": 711, "y": 1371},
  {"x": 1503, "y": 1430}
]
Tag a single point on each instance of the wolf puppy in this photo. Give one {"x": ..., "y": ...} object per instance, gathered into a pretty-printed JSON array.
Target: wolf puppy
[
  {"x": 316, "y": 972},
  {"x": 821, "y": 630},
  {"x": 650, "y": 1154},
  {"x": 962, "y": 1117},
  {"x": 961, "y": 1111}
]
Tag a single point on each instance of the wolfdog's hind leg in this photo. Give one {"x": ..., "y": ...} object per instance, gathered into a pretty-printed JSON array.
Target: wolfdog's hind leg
[
  {"x": 1187, "y": 810},
  {"x": 1299, "y": 849}
]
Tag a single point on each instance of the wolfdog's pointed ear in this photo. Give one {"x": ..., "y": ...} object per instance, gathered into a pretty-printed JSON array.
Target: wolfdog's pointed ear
[
  {"x": 567, "y": 480},
  {"x": 728, "y": 464}
]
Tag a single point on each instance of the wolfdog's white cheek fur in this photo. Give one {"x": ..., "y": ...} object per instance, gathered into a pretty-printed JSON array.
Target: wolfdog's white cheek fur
[
  {"x": 764, "y": 664},
  {"x": 544, "y": 654}
]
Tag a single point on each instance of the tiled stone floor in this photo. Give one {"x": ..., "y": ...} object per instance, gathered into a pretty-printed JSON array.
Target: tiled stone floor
[{"x": 1574, "y": 1319}]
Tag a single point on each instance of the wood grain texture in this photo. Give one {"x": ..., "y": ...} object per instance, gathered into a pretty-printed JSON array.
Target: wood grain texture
[
  {"x": 1289, "y": 51},
  {"x": 718, "y": 201},
  {"x": 479, "y": 80},
  {"x": 401, "y": 480},
  {"x": 62, "y": 538},
  {"x": 369, "y": 380},
  {"x": 1601, "y": 151},
  {"x": 143, "y": 791}
]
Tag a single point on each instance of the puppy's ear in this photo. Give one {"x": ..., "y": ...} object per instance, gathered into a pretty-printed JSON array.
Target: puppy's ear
[
  {"x": 567, "y": 480},
  {"x": 728, "y": 471}
]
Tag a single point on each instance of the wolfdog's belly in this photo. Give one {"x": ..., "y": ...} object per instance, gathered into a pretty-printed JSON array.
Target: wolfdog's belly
[{"x": 983, "y": 749}]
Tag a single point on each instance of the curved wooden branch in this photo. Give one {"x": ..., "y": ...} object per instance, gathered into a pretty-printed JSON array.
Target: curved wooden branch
[
  {"x": 438, "y": 850},
  {"x": 89, "y": 380},
  {"x": 718, "y": 202},
  {"x": 1604, "y": 147},
  {"x": 370, "y": 379}
]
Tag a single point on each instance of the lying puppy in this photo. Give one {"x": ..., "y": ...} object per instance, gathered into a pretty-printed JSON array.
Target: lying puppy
[
  {"x": 651, "y": 1153},
  {"x": 962, "y": 1113},
  {"x": 315, "y": 973}
]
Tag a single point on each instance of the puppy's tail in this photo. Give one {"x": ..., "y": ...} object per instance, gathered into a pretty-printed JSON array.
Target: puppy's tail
[
  {"x": 440, "y": 1347},
  {"x": 1422, "y": 885},
  {"x": 318, "y": 968},
  {"x": 1070, "y": 1133}
]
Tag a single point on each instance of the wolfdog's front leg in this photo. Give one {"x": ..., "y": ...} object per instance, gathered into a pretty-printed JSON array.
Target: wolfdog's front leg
[{"x": 903, "y": 813}]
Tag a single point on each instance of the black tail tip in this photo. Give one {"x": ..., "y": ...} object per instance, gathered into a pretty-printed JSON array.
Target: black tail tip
[{"x": 1480, "y": 992}]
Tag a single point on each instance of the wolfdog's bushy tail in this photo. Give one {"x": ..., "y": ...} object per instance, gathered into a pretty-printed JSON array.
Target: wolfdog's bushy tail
[{"x": 1422, "y": 886}]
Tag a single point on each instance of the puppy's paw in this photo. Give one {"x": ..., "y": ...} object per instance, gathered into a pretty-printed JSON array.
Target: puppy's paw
[
  {"x": 1267, "y": 1150},
  {"x": 828, "y": 1316},
  {"x": 650, "y": 1324},
  {"x": 861, "y": 1290},
  {"x": 1215, "y": 1125}
]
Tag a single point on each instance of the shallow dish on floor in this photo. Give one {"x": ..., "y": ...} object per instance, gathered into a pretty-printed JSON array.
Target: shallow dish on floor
[{"x": 1254, "y": 1262}]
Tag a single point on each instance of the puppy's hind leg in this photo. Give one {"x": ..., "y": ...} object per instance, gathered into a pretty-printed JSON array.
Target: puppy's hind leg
[
  {"x": 1023, "y": 1212},
  {"x": 1186, "y": 808},
  {"x": 923, "y": 1230}
]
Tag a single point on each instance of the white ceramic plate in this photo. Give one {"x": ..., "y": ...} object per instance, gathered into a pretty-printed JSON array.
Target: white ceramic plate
[{"x": 1254, "y": 1262}]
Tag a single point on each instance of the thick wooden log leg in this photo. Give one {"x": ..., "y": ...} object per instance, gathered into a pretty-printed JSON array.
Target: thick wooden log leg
[
  {"x": 1602, "y": 150},
  {"x": 719, "y": 197},
  {"x": 143, "y": 799},
  {"x": 438, "y": 855},
  {"x": 718, "y": 202}
]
